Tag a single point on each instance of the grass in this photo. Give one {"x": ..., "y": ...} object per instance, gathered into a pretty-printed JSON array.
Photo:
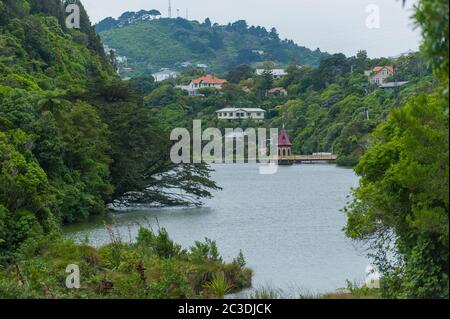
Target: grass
[
  {"x": 219, "y": 286},
  {"x": 353, "y": 291},
  {"x": 153, "y": 267}
]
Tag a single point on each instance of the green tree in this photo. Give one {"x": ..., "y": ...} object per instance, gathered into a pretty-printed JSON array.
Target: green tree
[
  {"x": 401, "y": 204},
  {"x": 25, "y": 198},
  {"x": 432, "y": 17},
  {"x": 403, "y": 197},
  {"x": 242, "y": 72}
]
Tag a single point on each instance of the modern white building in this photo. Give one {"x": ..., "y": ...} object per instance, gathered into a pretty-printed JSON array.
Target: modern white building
[
  {"x": 232, "y": 113},
  {"x": 165, "y": 74},
  {"x": 276, "y": 73}
]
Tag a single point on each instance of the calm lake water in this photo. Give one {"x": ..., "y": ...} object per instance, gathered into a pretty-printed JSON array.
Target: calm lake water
[{"x": 288, "y": 225}]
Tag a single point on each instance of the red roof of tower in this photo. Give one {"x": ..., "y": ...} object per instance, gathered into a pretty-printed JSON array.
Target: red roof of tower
[{"x": 283, "y": 139}]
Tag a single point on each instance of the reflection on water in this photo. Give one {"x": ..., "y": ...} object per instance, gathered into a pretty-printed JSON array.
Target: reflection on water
[{"x": 288, "y": 225}]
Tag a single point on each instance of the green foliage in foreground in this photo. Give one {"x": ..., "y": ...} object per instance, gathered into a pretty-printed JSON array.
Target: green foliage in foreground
[
  {"x": 402, "y": 199},
  {"x": 152, "y": 268},
  {"x": 401, "y": 206}
]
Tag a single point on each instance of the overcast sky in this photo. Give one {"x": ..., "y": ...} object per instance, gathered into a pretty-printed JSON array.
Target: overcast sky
[{"x": 331, "y": 25}]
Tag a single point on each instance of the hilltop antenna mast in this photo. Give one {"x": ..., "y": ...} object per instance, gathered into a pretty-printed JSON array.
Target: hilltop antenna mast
[
  {"x": 187, "y": 14},
  {"x": 170, "y": 9},
  {"x": 178, "y": 13}
]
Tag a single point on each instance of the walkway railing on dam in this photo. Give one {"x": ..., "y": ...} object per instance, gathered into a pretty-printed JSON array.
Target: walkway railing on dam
[{"x": 307, "y": 158}]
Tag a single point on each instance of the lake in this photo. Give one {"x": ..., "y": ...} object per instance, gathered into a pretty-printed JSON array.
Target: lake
[{"x": 288, "y": 225}]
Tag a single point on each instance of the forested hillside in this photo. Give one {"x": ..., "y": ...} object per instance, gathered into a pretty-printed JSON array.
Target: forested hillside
[
  {"x": 331, "y": 108},
  {"x": 155, "y": 44},
  {"x": 74, "y": 138}
]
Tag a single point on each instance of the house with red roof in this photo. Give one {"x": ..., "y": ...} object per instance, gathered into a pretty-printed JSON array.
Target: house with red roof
[
  {"x": 206, "y": 81},
  {"x": 379, "y": 74}
]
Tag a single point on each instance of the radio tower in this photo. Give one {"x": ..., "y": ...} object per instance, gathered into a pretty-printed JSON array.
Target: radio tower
[{"x": 170, "y": 9}]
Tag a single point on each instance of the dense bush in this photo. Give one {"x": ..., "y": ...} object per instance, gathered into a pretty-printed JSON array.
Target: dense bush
[{"x": 117, "y": 270}]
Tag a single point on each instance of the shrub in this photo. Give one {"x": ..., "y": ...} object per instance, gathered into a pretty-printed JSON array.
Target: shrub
[
  {"x": 205, "y": 251},
  {"x": 219, "y": 286}
]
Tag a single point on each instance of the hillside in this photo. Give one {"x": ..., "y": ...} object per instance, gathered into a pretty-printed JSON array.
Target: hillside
[
  {"x": 153, "y": 43},
  {"x": 60, "y": 102},
  {"x": 331, "y": 108},
  {"x": 67, "y": 150}
]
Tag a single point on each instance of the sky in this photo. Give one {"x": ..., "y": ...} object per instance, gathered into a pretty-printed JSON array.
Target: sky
[{"x": 334, "y": 26}]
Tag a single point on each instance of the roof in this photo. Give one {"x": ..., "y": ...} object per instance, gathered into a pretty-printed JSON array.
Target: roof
[
  {"x": 283, "y": 139},
  {"x": 209, "y": 79},
  {"x": 377, "y": 69},
  {"x": 234, "y": 109},
  {"x": 393, "y": 84}
]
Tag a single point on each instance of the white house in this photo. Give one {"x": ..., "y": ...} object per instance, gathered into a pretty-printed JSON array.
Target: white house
[
  {"x": 121, "y": 59},
  {"x": 165, "y": 74},
  {"x": 276, "y": 73},
  {"x": 260, "y": 52},
  {"x": 379, "y": 74},
  {"x": 207, "y": 81},
  {"x": 232, "y": 113},
  {"x": 108, "y": 49}
]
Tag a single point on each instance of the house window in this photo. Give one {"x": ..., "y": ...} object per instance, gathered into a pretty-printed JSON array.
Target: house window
[
  {"x": 259, "y": 114},
  {"x": 231, "y": 114}
]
